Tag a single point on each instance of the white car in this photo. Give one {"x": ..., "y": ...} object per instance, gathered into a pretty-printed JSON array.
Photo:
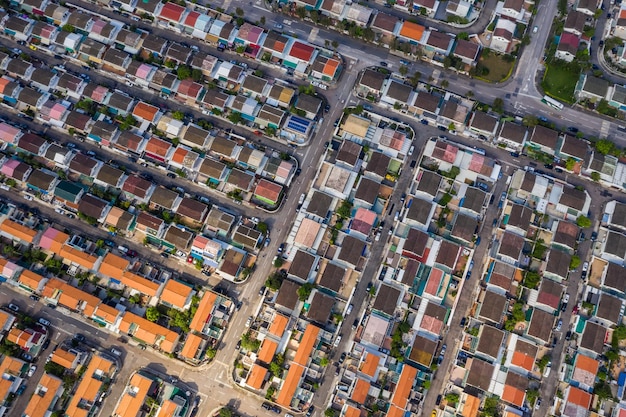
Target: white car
[
  {"x": 249, "y": 321},
  {"x": 535, "y": 29},
  {"x": 28, "y": 197},
  {"x": 566, "y": 298},
  {"x": 32, "y": 370},
  {"x": 585, "y": 266}
]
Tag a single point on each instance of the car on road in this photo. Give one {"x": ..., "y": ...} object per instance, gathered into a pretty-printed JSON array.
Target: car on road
[
  {"x": 70, "y": 216},
  {"x": 79, "y": 338},
  {"x": 171, "y": 175},
  {"x": 43, "y": 322},
  {"x": 566, "y": 298},
  {"x": 45, "y": 344},
  {"x": 267, "y": 241},
  {"x": 463, "y": 321},
  {"x": 383, "y": 64},
  {"x": 276, "y": 409},
  {"x": 14, "y": 308},
  {"x": 558, "y": 170},
  {"x": 116, "y": 352},
  {"x": 27, "y": 357},
  {"x": 537, "y": 403},
  {"x": 238, "y": 345},
  {"x": 262, "y": 290},
  {"x": 165, "y": 255},
  {"x": 28, "y": 197},
  {"x": 585, "y": 266},
  {"x": 594, "y": 235},
  {"x": 281, "y": 248},
  {"x": 310, "y": 411},
  {"x": 34, "y": 297},
  {"x": 355, "y": 324},
  {"x": 438, "y": 400},
  {"x": 131, "y": 253},
  {"x": 405, "y": 62},
  {"x": 249, "y": 321},
  {"x": 535, "y": 29},
  {"x": 342, "y": 357},
  {"x": 572, "y": 129},
  {"x": 32, "y": 370},
  {"x": 266, "y": 406},
  {"x": 559, "y": 324},
  {"x": 327, "y": 108}
]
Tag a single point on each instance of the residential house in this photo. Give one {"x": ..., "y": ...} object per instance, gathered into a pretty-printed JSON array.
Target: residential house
[
  {"x": 42, "y": 181},
  {"x": 591, "y": 88},
  {"x": 543, "y": 139},
  {"x": 467, "y": 51},
  {"x": 503, "y": 35},
  {"x": 575, "y": 23},
  {"x": 91, "y": 51},
  {"x": 192, "y": 211},
  {"x": 116, "y": 61},
  {"x": 150, "y": 225},
  {"x": 43, "y": 33},
  {"x": 93, "y": 207},
  {"x": 177, "y": 238},
  {"x": 483, "y": 124},
  {"x": 18, "y": 27},
  {"x": 567, "y": 47},
  {"x": 138, "y": 189}
]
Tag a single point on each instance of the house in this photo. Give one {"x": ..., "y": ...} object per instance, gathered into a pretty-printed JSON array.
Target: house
[
  {"x": 59, "y": 155},
  {"x": 575, "y": 23},
  {"x": 326, "y": 68},
  {"x": 18, "y": 68},
  {"x": 68, "y": 193},
  {"x": 195, "y": 136},
  {"x": 70, "y": 42},
  {"x": 138, "y": 189},
  {"x": 503, "y": 35},
  {"x": 29, "y": 98},
  {"x": 189, "y": 91},
  {"x": 541, "y": 324},
  {"x": 219, "y": 222},
  {"x": 492, "y": 307},
  {"x": 153, "y": 45},
  {"x": 146, "y": 112},
  {"x": 572, "y": 203},
  {"x": 512, "y": 10},
  {"x": 103, "y": 31},
  {"x": 467, "y": 51},
  {"x": 567, "y": 47},
  {"x": 33, "y": 144},
  {"x": 10, "y": 134},
  {"x": 453, "y": 114},
  {"x": 610, "y": 310},
  {"x": 299, "y": 56},
  {"x": 371, "y": 82},
  {"x": 192, "y": 211},
  {"x": 43, "y": 33},
  {"x": 426, "y": 7},
  {"x": 110, "y": 177},
  {"x": 427, "y": 104},
  {"x": 247, "y": 237},
  {"x": 119, "y": 219},
  {"x": 384, "y": 25},
  {"x": 116, "y": 61},
  {"x": 591, "y": 88},
  {"x": 352, "y": 251},
  {"x": 128, "y": 143},
  {"x": 588, "y": 7},
  {"x": 150, "y": 225},
  {"x": 367, "y": 192},
  {"x": 544, "y": 139},
  {"x": 42, "y": 181},
  {"x": 91, "y": 51},
  {"x": 128, "y": 41},
  {"x": 44, "y": 79},
  {"x": 269, "y": 116},
  {"x": 572, "y": 147},
  {"x": 395, "y": 93},
  {"x": 177, "y": 238},
  {"x": 438, "y": 45},
  {"x": 18, "y": 27},
  {"x": 148, "y": 332},
  {"x": 48, "y": 391},
  {"x": 56, "y": 14},
  {"x": 268, "y": 192},
  {"x": 211, "y": 171},
  {"x": 480, "y": 375},
  {"x": 82, "y": 22},
  {"x": 197, "y": 24},
  {"x": 85, "y": 165},
  {"x": 483, "y": 124},
  {"x": 17, "y": 232},
  {"x": 510, "y": 249},
  {"x": 158, "y": 150},
  {"x": 513, "y": 136},
  {"x": 411, "y": 32},
  {"x": 565, "y": 234},
  {"x": 16, "y": 169},
  {"x": 80, "y": 122},
  {"x": 93, "y": 207},
  {"x": 172, "y": 14},
  {"x": 577, "y": 401},
  {"x": 120, "y": 103},
  {"x": 177, "y": 294},
  {"x": 549, "y": 295}
]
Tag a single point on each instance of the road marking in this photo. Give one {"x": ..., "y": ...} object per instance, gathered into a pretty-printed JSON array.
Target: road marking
[
  {"x": 313, "y": 34},
  {"x": 604, "y": 129}
]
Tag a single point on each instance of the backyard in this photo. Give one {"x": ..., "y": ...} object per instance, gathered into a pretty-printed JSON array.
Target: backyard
[
  {"x": 494, "y": 67},
  {"x": 559, "y": 80}
]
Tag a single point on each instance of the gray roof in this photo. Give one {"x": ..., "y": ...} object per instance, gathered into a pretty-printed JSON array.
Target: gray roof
[
  {"x": 387, "y": 299},
  {"x": 429, "y": 182},
  {"x": 367, "y": 190},
  {"x": 558, "y": 263},
  {"x": 351, "y": 250},
  {"x": 493, "y": 307},
  {"x": 332, "y": 277},
  {"x": 596, "y": 86},
  {"x": 480, "y": 374},
  {"x": 420, "y": 210},
  {"x": 399, "y": 92},
  {"x": 178, "y": 237},
  {"x": 287, "y": 294},
  {"x": 319, "y": 204},
  {"x": 513, "y": 132},
  {"x": 541, "y": 324},
  {"x": 593, "y": 337},
  {"x": 320, "y": 308},
  {"x": 490, "y": 341},
  {"x": 302, "y": 264},
  {"x": 615, "y": 277},
  {"x": 609, "y": 308}
]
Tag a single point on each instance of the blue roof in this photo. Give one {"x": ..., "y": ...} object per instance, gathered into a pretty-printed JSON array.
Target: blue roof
[{"x": 298, "y": 124}]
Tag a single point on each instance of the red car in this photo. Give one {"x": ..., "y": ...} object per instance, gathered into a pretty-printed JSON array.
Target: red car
[{"x": 190, "y": 259}]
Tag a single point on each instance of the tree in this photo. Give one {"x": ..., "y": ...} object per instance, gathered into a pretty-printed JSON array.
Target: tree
[
  {"x": 278, "y": 262},
  {"x": 574, "y": 262},
  {"x": 583, "y": 222},
  {"x": 235, "y": 118},
  {"x": 305, "y": 291},
  {"x": 239, "y": 11},
  {"x": 183, "y": 72},
  {"x": 152, "y": 314},
  {"x": 178, "y": 115},
  {"x": 301, "y": 12},
  {"x": 343, "y": 212},
  {"x": 595, "y": 175},
  {"x": 603, "y": 390},
  {"x": 226, "y": 412},
  {"x": 445, "y": 84},
  {"x": 498, "y": 105},
  {"x": 335, "y": 44},
  {"x": 531, "y": 279},
  {"x": 463, "y": 35},
  {"x": 606, "y": 147},
  {"x": 274, "y": 281},
  {"x": 403, "y": 70},
  {"x": 490, "y": 406},
  {"x": 262, "y": 20},
  {"x": 262, "y": 227}
]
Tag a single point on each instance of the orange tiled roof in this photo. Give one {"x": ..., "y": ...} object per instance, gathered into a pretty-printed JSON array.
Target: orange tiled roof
[
  {"x": 30, "y": 279},
  {"x": 113, "y": 266},
  {"x": 145, "y": 111},
  {"x": 168, "y": 409},
  {"x": 291, "y": 383},
  {"x": 361, "y": 388},
  {"x": 412, "y": 30},
  {"x": 176, "y": 293},
  {"x": 351, "y": 411},
  {"x": 130, "y": 403},
  {"x": 587, "y": 364},
  {"x": 256, "y": 376},
  {"x": 395, "y": 411},
  {"x": 45, "y": 394},
  {"x": 278, "y": 326},
  {"x": 149, "y": 332},
  {"x": 19, "y": 337},
  {"x": 513, "y": 395},
  {"x": 18, "y": 231},
  {"x": 56, "y": 242},
  {"x": 64, "y": 358},
  {"x": 404, "y": 386},
  {"x": 203, "y": 312},
  {"x": 78, "y": 257},
  {"x": 179, "y": 155},
  {"x": 11, "y": 366},
  {"x": 523, "y": 361},
  {"x": 141, "y": 284},
  {"x": 191, "y": 346},
  {"x": 306, "y": 345},
  {"x": 370, "y": 364},
  {"x": 471, "y": 406},
  {"x": 330, "y": 68},
  {"x": 579, "y": 397},
  {"x": 267, "y": 350},
  {"x": 89, "y": 387},
  {"x": 107, "y": 313},
  {"x": 157, "y": 146}
]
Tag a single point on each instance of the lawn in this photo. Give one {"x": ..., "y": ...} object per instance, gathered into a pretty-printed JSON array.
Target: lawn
[
  {"x": 560, "y": 81},
  {"x": 493, "y": 67}
]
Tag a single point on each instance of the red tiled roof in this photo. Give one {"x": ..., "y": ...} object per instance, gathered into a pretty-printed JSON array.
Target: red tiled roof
[
  {"x": 172, "y": 11},
  {"x": 301, "y": 51},
  {"x": 145, "y": 111}
]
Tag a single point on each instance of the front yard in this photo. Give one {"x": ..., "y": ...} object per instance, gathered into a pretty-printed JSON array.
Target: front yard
[
  {"x": 559, "y": 81},
  {"x": 494, "y": 67}
]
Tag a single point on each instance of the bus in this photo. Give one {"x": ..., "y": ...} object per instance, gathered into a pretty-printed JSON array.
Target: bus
[{"x": 552, "y": 103}]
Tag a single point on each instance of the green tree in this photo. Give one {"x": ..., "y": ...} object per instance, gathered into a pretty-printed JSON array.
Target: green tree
[
  {"x": 531, "y": 279},
  {"x": 498, "y": 105},
  {"x": 574, "y": 262},
  {"x": 262, "y": 227},
  {"x": 183, "y": 72},
  {"x": 463, "y": 35},
  {"x": 344, "y": 210},
  {"x": 152, "y": 314},
  {"x": 262, "y": 20},
  {"x": 275, "y": 369},
  {"x": 274, "y": 281},
  {"x": 445, "y": 83},
  {"x": 403, "y": 70},
  {"x": 278, "y": 262},
  {"x": 305, "y": 291},
  {"x": 583, "y": 222},
  {"x": 603, "y": 390},
  {"x": 226, "y": 412},
  {"x": 249, "y": 343},
  {"x": 570, "y": 163},
  {"x": 178, "y": 115},
  {"x": 335, "y": 44},
  {"x": 235, "y": 118},
  {"x": 595, "y": 176},
  {"x": 490, "y": 407},
  {"x": 239, "y": 11},
  {"x": 606, "y": 147}
]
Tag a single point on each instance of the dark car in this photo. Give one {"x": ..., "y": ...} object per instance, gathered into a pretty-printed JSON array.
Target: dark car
[
  {"x": 558, "y": 170},
  {"x": 594, "y": 236},
  {"x": 298, "y": 171},
  {"x": 515, "y": 154},
  {"x": 109, "y": 243},
  {"x": 383, "y": 64},
  {"x": 171, "y": 175},
  {"x": 342, "y": 358},
  {"x": 131, "y": 253},
  {"x": 548, "y": 166},
  {"x": 327, "y": 108},
  {"x": 79, "y": 338},
  {"x": 572, "y": 129},
  {"x": 266, "y": 406},
  {"x": 276, "y": 409},
  {"x": 463, "y": 321},
  {"x": 438, "y": 401},
  {"x": 34, "y": 297},
  {"x": 165, "y": 255},
  {"x": 45, "y": 344}
]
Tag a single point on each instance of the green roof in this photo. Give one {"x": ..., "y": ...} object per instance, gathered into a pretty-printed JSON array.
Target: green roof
[{"x": 68, "y": 191}]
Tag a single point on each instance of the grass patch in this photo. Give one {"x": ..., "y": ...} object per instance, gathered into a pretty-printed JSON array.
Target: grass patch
[
  {"x": 559, "y": 81},
  {"x": 493, "y": 67}
]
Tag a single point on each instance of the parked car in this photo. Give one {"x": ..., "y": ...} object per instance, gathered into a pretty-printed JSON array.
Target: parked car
[
  {"x": 14, "y": 308},
  {"x": 79, "y": 338},
  {"x": 32, "y": 370},
  {"x": 43, "y": 322}
]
